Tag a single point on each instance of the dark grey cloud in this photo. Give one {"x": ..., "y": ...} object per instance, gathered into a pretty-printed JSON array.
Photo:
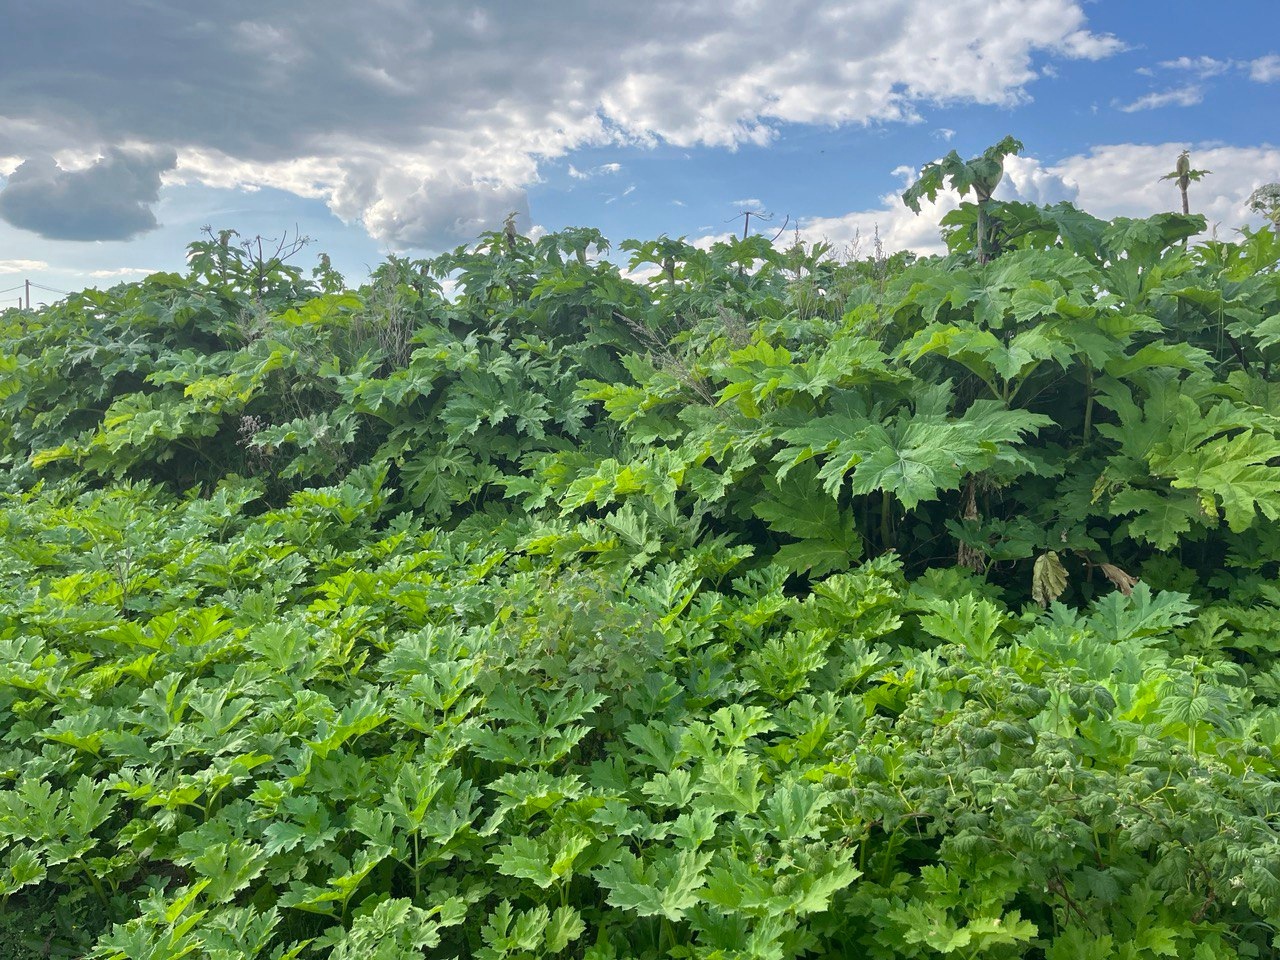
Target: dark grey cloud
[
  {"x": 110, "y": 200},
  {"x": 416, "y": 116}
]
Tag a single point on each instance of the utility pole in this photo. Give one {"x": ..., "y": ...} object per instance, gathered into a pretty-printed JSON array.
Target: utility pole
[{"x": 28, "y": 286}]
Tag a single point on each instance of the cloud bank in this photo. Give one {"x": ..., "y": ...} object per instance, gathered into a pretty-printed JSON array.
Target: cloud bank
[{"x": 422, "y": 120}]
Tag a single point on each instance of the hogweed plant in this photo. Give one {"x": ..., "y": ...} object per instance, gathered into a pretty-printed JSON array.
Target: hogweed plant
[{"x": 775, "y": 606}]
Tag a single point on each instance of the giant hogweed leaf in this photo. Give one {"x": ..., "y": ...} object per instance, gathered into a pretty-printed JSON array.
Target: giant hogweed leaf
[
  {"x": 1176, "y": 356},
  {"x": 341, "y": 884},
  {"x": 792, "y": 811},
  {"x": 1236, "y": 472},
  {"x": 1144, "y": 240},
  {"x": 1079, "y": 231},
  {"x": 1029, "y": 269},
  {"x": 394, "y": 930},
  {"x": 163, "y": 930},
  {"x": 22, "y": 868},
  {"x": 361, "y": 716},
  {"x": 667, "y": 886},
  {"x": 539, "y": 726},
  {"x": 970, "y": 346},
  {"x": 970, "y": 292},
  {"x": 526, "y": 933},
  {"x": 969, "y": 622},
  {"x": 1145, "y": 428},
  {"x": 739, "y": 887},
  {"x": 755, "y": 373},
  {"x": 913, "y": 462},
  {"x": 544, "y": 860},
  {"x": 1141, "y": 616},
  {"x": 782, "y": 666},
  {"x": 826, "y": 533},
  {"x": 1266, "y": 333},
  {"x": 731, "y": 782},
  {"x": 1249, "y": 391},
  {"x": 987, "y": 356},
  {"x": 230, "y": 867},
  {"x": 915, "y": 457},
  {"x": 1048, "y": 579},
  {"x": 835, "y": 435},
  {"x": 1160, "y": 518},
  {"x": 657, "y": 744},
  {"x": 1034, "y": 299},
  {"x": 1013, "y": 284}
]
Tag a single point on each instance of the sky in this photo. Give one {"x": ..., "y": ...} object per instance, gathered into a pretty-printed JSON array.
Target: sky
[{"x": 410, "y": 126}]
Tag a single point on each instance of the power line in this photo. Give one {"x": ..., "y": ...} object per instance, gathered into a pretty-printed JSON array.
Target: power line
[{"x": 26, "y": 286}]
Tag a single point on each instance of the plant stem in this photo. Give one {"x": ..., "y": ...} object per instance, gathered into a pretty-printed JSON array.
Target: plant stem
[
  {"x": 1088, "y": 400},
  {"x": 886, "y": 518},
  {"x": 982, "y": 232}
]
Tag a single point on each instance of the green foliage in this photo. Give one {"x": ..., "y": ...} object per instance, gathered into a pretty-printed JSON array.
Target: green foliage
[
  {"x": 770, "y": 607},
  {"x": 981, "y": 174}
]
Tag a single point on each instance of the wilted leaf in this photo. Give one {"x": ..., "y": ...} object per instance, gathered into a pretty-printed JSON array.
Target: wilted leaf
[
  {"x": 1048, "y": 579},
  {"x": 1124, "y": 582}
]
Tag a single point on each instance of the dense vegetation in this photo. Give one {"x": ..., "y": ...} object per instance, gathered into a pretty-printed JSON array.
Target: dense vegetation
[{"x": 775, "y": 606}]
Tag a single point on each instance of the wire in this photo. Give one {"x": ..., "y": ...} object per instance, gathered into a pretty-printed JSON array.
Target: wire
[
  {"x": 41, "y": 286},
  {"x": 8, "y": 289}
]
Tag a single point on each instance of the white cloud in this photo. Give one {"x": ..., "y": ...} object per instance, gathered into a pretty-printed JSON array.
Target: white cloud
[
  {"x": 1265, "y": 69},
  {"x": 643, "y": 273},
  {"x": 744, "y": 204},
  {"x": 1200, "y": 66},
  {"x": 438, "y": 213},
  {"x": 1027, "y": 180},
  {"x": 708, "y": 240},
  {"x": 1184, "y": 96},
  {"x": 120, "y": 273},
  {"x": 22, "y": 266},
  {"x": 1083, "y": 45},
  {"x": 945, "y": 134},
  {"x": 422, "y": 118},
  {"x": 309, "y": 177},
  {"x": 602, "y": 170},
  {"x": 1124, "y": 179}
]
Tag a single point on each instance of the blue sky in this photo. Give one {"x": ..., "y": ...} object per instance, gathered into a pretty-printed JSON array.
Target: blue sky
[{"x": 410, "y": 125}]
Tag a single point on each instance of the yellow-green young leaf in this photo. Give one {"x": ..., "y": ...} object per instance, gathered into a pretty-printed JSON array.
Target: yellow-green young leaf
[
  {"x": 1008, "y": 929},
  {"x": 1048, "y": 579},
  {"x": 22, "y": 868},
  {"x": 565, "y": 926},
  {"x": 43, "y": 458}
]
